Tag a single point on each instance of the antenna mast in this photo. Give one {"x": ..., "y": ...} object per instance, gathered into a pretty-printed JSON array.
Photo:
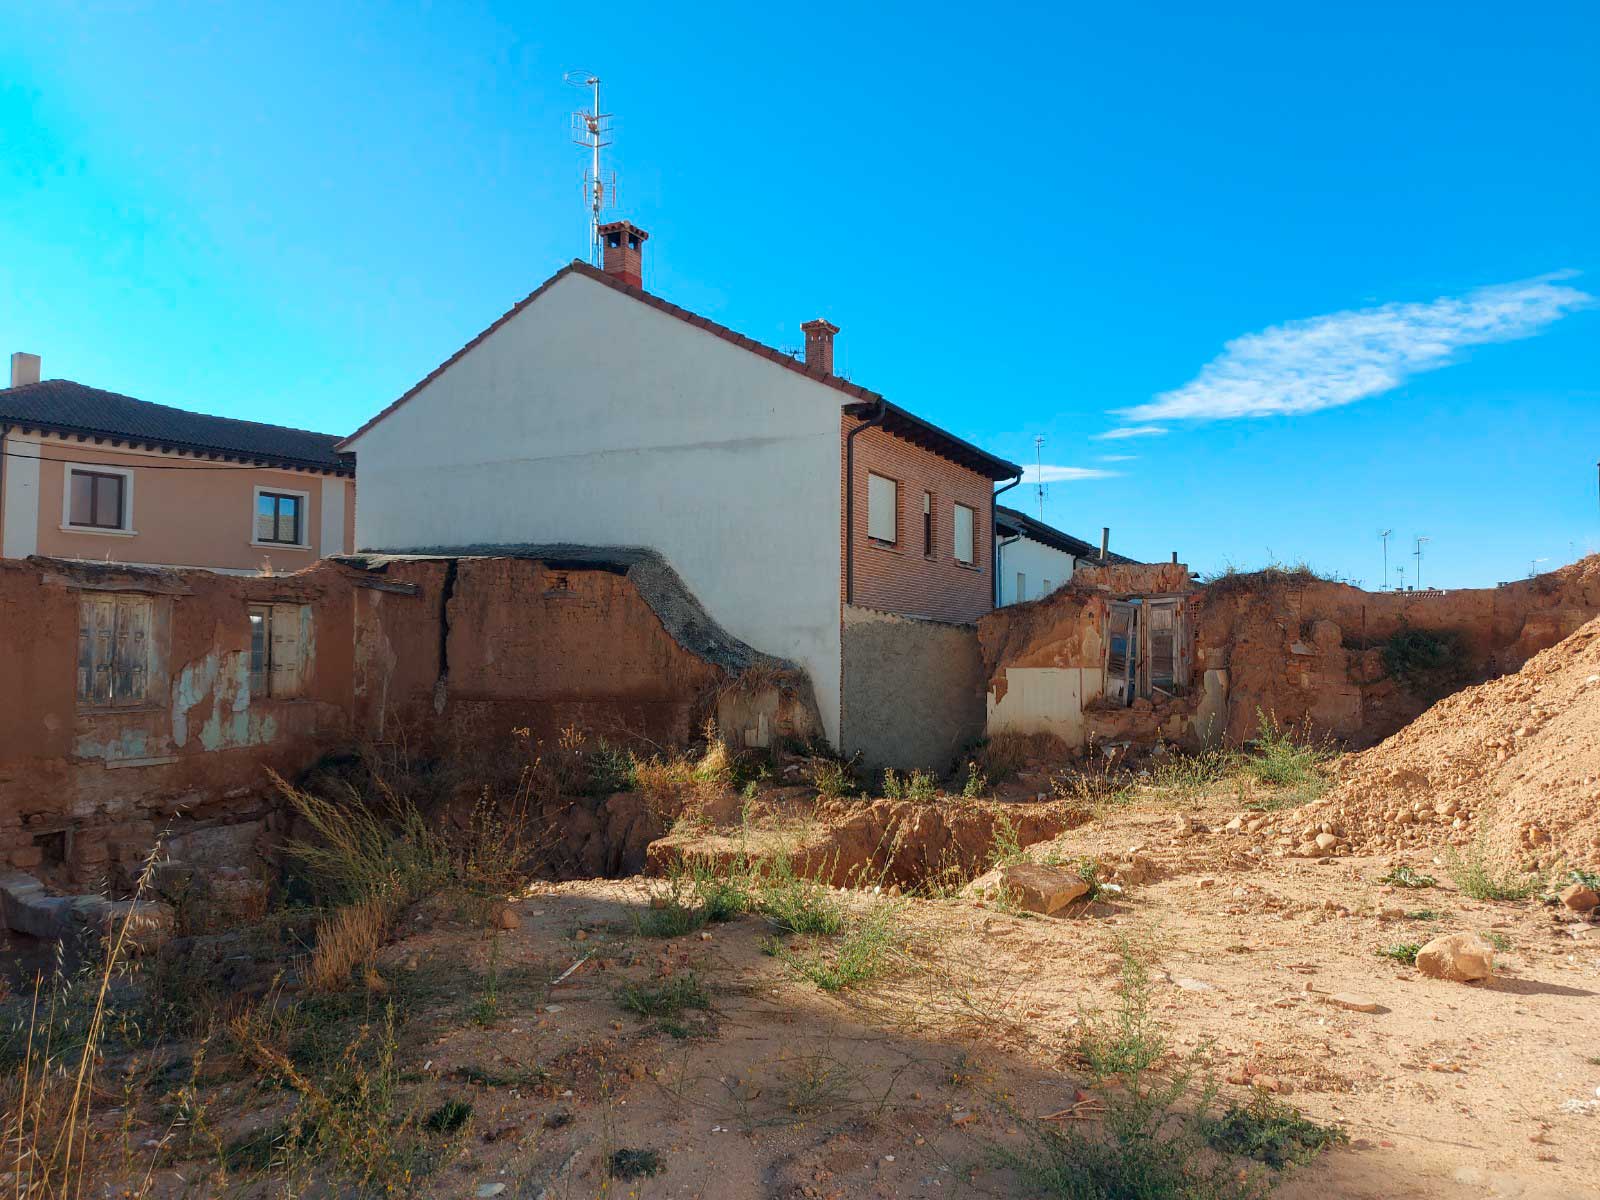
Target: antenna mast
[
  {"x": 1038, "y": 472},
  {"x": 591, "y": 129}
]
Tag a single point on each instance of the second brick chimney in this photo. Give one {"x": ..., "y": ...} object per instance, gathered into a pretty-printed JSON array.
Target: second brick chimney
[
  {"x": 819, "y": 346},
  {"x": 622, "y": 244}
]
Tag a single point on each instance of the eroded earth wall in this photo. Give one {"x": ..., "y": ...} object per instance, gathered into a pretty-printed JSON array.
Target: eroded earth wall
[
  {"x": 141, "y": 702},
  {"x": 1317, "y": 655}
]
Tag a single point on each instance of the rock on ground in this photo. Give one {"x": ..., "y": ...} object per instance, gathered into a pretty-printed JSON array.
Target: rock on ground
[{"x": 1462, "y": 957}]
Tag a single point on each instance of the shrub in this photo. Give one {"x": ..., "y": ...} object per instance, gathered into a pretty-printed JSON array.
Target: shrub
[
  {"x": 694, "y": 895},
  {"x": 918, "y": 785},
  {"x": 1477, "y": 877},
  {"x": 794, "y": 902},
  {"x": 977, "y": 783},
  {"x": 1271, "y": 1132},
  {"x": 1281, "y": 758},
  {"x": 833, "y": 778},
  {"x": 1430, "y": 663},
  {"x": 1157, "y": 1138},
  {"x": 866, "y": 950}
]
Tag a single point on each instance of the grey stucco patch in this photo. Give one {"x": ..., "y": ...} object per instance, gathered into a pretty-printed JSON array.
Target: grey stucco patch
[{"x": 912, "y": 691}]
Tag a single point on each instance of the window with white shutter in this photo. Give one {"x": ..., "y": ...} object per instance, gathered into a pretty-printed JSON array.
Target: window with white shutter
[
  {"x": 963, "y": 542},
  {"x": 883, "y": 496}
]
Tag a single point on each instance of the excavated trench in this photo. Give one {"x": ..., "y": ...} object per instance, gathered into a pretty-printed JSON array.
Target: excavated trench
[{"x": 842, "y": 842}]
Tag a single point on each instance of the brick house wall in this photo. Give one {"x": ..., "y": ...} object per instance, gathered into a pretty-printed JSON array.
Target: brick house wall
[{"x": 899, "y": 578}]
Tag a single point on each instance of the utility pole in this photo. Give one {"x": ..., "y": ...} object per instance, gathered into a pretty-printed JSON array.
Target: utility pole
[
  {"x": 1038, "y": 473},
  {"x": 1383, "y": 580},
  {"x": 1417, "y": 575},
  {"x": 1401, "y": 571}
]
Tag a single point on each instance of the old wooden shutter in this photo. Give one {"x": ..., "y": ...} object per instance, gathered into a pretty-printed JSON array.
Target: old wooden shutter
[
  {"x": 286, "y": 666},
  {"x": 130, "y": 674}
]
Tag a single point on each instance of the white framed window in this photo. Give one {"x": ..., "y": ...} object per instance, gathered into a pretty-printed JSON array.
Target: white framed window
[
  {"x": 97, "y": 499},
  {"x": 883, "y": 504},
  {"x": 281, "y": 518},
  {"x": 962, "y": 541},
  {"x": 1022, "y": 587}
]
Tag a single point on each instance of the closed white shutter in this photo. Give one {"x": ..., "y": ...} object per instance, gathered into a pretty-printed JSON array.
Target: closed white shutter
[
  {"x": 882, "y": 500},
  {"x": 963, "y": 534}
]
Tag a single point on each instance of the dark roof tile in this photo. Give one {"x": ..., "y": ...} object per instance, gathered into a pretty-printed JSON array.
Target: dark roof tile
[{"x": 62, "y": 406}]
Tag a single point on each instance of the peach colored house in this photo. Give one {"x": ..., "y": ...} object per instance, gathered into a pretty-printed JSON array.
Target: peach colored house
[{"x": 90, "y": 474}]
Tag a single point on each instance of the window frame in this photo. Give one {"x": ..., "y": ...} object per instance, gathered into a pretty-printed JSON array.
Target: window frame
[
  {"x": 894, "y": 508},
  {"x": 302, "y": 518},
  {"x": 104, "y": 470},
  {"x": 275, "y": 680},
  {"x": 972, "y": 535},
  {"x": 929, "y": 503}
]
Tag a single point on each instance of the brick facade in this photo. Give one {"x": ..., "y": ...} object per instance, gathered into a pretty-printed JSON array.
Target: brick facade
[{"x": 899, "y": 578}]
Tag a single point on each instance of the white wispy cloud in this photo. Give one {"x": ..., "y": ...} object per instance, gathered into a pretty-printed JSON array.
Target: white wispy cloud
[
  {"x": 1131, "y": 431},
  {"x": 1323, "y": 362},
  {"x": 1117, "y": 458},
  {"x": 1052, "y": 473}
]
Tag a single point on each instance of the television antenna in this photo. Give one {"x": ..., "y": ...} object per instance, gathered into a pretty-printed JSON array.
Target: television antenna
[
  {"x": 1382, "y": 579},
  {"x": 1038, "y": 472},
  {"x": 1417, "y": 554},
  {"x": 591, "y": 129}
]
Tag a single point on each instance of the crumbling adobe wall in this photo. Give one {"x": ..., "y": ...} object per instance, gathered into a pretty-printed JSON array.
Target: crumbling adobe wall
[
  {"x": 1306, "y": 652},
  {"x": 446, "y": 654},
  {"x": 1045, "y": 661},
  {"x": 93, "y": 786},
  {"x": 1311, "y": 652}
]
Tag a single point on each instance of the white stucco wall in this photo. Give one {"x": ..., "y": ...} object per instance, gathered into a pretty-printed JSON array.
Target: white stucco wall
[
  {"x": 19, "y": 501},
  {"x": 593, "y": 418},
  {"x": 1037, "y": 562}
]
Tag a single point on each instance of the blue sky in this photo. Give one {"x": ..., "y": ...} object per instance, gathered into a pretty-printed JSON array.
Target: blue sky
[{"x": 1344, "y": 257}]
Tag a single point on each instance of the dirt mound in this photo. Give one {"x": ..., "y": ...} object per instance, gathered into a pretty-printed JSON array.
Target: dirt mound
[{"x": 1515, "y": 761}]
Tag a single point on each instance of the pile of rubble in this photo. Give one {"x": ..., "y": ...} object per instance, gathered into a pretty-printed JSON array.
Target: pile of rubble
[{"x": 1514, "y": 762}]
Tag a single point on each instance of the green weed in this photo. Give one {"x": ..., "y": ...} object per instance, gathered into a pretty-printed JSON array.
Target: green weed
[
  {"x": 667, "y": 999},
  {"x": 1271, "y": 1132},
  {"x": 867, "y": 949},
  {"x": 1400, "y": 952},
  {"x": 1405, "y": 877},
  {"x": 1478, "y": 879}
]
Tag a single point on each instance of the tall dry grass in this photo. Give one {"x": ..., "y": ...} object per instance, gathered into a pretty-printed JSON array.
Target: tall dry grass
[{"x": 48, "y": 1143}]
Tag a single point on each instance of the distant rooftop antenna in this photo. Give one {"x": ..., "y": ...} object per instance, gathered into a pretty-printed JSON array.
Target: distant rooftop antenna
[
  {"x": 591, "y": 129},
  {"x": 1038, "y": 472}
]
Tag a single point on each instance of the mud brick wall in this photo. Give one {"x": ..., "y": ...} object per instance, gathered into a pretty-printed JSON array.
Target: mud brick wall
[{"x": 447, "y": 655}]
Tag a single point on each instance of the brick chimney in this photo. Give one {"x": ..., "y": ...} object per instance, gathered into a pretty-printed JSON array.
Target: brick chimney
[
  {"x": 623, "y": 245},
  {"x": 819, "y": 346},
  {"x": 24, "y": 369}
]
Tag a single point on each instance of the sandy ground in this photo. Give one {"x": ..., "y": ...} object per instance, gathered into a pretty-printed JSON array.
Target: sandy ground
[{"x": 906, "y": 1088}]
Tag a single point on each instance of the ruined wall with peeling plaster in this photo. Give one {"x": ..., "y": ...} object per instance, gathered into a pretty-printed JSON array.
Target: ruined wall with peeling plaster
[
  {"x": 1304, "y": 651},
  {"x": 447, "y": 655}
]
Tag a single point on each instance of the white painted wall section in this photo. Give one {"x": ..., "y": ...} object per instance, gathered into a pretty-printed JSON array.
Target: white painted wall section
[
  {"x": 1038, "y": 563},
  {"x": 1045, "y": 700},
  {"x": 332, "y": 539},
  {"x": 19, "y": 468},
  {"x": 590, "y": 417}
]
